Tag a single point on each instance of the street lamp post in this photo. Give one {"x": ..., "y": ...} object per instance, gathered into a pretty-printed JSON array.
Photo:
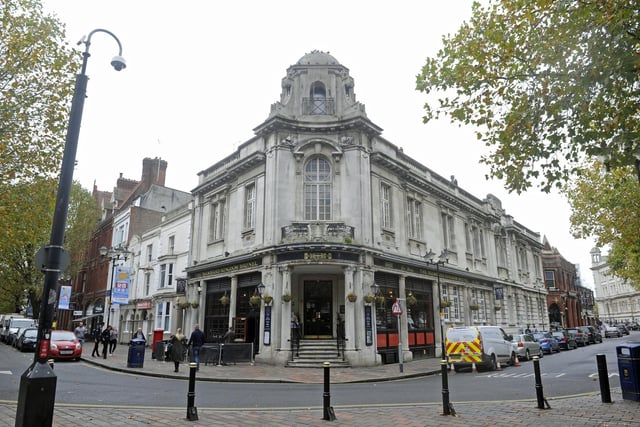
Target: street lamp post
[
  {"x": 442, "y": 259},
  {"x": 36, "y": 397},
  {"x": 113, "y": 254}
]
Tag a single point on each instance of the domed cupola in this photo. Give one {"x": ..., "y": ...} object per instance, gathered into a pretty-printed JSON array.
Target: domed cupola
[{"x": 317, "y": 88}]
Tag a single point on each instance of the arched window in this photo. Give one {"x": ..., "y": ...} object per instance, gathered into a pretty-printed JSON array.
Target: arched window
[
  {"x": 318, "y": 98},
  {"x": 317, "y": 190}
]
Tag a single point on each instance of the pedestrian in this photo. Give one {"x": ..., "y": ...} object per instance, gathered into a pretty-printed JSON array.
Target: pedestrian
[
  {"x": 196, "y": 341},
  {"x": 105, "y": 337},
  {"x": 139, "y": 335},
  {"x": 177, "y": 348},
  {"x": 96, "y": 342},
  {"x": 113, "y": 340},
  {"x": 80, "y": 330}
]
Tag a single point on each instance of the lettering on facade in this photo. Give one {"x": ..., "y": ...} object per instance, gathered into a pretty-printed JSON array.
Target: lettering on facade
[
  {"x": 317, "y": 255},
  {"x": 229, "y": 268}
]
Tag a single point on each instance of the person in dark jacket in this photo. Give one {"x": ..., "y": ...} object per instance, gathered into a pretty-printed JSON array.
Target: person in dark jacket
[
  {"x": 105, "y": 337},
  {"x": 177, "y": 348},
  {"x": 96, "y": 342},
  {"x": 196, "y": 341}
]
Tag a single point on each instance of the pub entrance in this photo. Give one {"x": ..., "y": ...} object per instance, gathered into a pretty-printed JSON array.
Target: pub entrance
[{"x": 318, "y": 309}]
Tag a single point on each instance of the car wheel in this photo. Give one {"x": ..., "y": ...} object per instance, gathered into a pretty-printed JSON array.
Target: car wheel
[
  {"x": 527, "y": 356},
  {"x": 541, "y": 354}
]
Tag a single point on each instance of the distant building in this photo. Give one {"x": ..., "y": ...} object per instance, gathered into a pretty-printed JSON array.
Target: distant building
[{"x": 618, "y": 301}]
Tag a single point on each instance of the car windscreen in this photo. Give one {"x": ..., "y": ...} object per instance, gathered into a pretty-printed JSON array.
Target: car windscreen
[
  {"x": 31, "y": 333},
  {"x": 461, "y": 335},
  {"x": 21, "y": 323},
  {"x": 62, "y": 336}
]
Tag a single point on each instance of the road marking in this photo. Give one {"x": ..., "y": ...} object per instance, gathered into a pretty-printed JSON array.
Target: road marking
[
  {"x": 612, "y": 374},
  {"x": 6, "y": 372}
]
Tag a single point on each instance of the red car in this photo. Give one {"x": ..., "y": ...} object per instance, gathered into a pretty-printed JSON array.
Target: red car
[{"x": 64, "y": 345}]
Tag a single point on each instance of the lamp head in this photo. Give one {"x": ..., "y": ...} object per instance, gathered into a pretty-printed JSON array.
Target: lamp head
[
  {"x": 118, "y": 63},
  {"x": 104, "y": 251}
]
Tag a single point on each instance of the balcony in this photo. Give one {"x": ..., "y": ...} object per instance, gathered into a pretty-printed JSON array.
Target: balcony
[{"x": 332, "y": 232}]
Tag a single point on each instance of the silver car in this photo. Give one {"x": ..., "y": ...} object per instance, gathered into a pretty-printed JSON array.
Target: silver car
[{"x": 526, "y": 346}]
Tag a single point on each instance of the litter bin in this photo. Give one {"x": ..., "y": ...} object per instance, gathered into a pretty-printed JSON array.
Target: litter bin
[
  {"x": 629, "y": 368},
  {"x": 135, "y": 358}
]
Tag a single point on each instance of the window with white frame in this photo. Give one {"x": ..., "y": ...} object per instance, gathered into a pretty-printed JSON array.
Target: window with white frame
[
  {"x": 250, "y": 207},
  {"x": 149, "y": 253},
  {"x": 478, "y": 299},
  {"x": 166, "y": 275},
  {"x": 172, "y": 244},
  {"x": 477, "y": 238},
  {"x": 317, "y": 190},
  {"x": 147, "y": 282},
  {"x": 216, "y": 221},
  {"x": 448, "y": 230},
  {"x": 523, "y": 263},
  {"x": 385, "y": 198},
  {"x": 549, "y": 279},
  {"x": 414, "y": 218},
  {"x": 536, "y": 261},
  {"x": 450, "y": 294},
  {"x": 163, "y": 315}
]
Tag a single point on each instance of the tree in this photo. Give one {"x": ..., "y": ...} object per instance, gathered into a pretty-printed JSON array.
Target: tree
[
  {"x": 36, "y": 83},
  {"x": 547, "y": 83},
  {"x": 607, "y": 206}
]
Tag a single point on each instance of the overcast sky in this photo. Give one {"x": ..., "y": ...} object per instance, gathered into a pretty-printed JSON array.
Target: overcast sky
[{"x": 202, "y": 74}]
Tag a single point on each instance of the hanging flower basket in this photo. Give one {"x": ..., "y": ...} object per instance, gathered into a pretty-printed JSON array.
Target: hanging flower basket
[
  {"x": 474, "y": 307},
  {"x": 380, "y": 300},
  {"x": 224, "y": 300},
  {"x": 195, "y": 305},
  {"x": 254, "y": 300},
  {"x": 268, "y": 299},
  {"x": 497, "y": 308},
  {"x": 352, "y": 297},
  {"x": 286, "y": 297},
  {"x": 368, "y": 298},
  {"x": 184, "y": 305},
  {"x": 411, "y": 300},
  {"x": 445, "y": 304}
]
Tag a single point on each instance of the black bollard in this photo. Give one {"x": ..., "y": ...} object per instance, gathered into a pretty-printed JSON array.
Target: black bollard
[
  {"x": 192, "y": 411},
  {"x": 446, "y": 406},
  {"x": 603, "y": 376},
  {"x": 327, "y": 410},
  {"x": 539, "y": 391}
]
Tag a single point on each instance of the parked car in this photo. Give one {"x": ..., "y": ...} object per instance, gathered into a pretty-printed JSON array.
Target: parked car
[
  {"x": 64, "y": 345},
  {"x": 566, "y": 341},
  {"x": 611, "y": 332},
  {"x": 525, "y": 346},
  {"x": 548, "y": 342},
  {"x": 27, "y": 340},
  {"x": 581, "y": 338},
  {"x": 593, "y": 335},
  {"x": 15, "y": 323},
  {"x": 623, "y": 329}
]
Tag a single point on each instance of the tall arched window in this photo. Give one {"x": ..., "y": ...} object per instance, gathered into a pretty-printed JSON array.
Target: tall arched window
[
  {"x": 317, "y": 190},
  {"x": 318, "y": 98}
]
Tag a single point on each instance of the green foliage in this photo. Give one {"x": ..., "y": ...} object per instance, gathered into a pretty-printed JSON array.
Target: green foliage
[
  {"x": 607, "y": 207},
  {"x": 545, "y": 82},
  {"x": 37, "y": 72}
]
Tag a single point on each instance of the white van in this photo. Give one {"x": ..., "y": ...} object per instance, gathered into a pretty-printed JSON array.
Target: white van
[
  {"x": 15, "y": 323},
  {"x": 483, "y": 345},
  {"x": 4, "y": 323}
]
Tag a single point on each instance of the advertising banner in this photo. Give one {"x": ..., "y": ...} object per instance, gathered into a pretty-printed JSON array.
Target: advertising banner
[
  {"x": 121, "y": 286},
  {"x": 65, "y": 297}
]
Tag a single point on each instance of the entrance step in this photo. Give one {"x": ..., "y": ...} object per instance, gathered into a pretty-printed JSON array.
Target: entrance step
[{"x": 313, "y": 354}]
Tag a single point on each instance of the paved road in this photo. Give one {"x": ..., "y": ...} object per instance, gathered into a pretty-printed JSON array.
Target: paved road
[{"x": 580, "y": 410}]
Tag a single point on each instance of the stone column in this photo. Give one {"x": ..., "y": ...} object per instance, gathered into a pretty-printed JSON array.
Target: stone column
[
  {"x": 404, "y": 325},
  {"x": 350, "y": 307},
  {"x": 232, "y": 299}
]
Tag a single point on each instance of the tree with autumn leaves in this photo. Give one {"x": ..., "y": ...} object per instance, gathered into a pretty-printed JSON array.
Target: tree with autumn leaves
[
  {"x": 550, "y": 86},
  {"x": 37, "y": 74}
]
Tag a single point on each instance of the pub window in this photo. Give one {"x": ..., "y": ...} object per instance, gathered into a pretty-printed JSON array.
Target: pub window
[
  {"x": 317, "y": 190},
  {"x": 249, "y": 206},
  {"x": 385, "y": 198}
]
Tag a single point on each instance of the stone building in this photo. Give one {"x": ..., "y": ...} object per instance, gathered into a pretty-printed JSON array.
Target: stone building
[
  {"x": 617, "y": 300},
  {"x": 318, "y": 211}
]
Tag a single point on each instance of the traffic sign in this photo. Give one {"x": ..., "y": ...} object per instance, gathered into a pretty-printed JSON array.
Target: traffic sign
[{"x": 396, "y": 308}]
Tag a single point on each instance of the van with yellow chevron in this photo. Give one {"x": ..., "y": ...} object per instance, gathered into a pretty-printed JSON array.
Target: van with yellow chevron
[{"x": 482, "y": 347}]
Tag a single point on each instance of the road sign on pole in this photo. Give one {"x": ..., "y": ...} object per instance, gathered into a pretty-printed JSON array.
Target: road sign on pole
[{"x": 396, "y": 308}]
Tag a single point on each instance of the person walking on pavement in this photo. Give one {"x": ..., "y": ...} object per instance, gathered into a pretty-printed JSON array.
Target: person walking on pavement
[
  {"x": 177, "y": 348},
  {"x": 96, "y": 342},
  {"x": 80, "y": 330},
  {"x": 196, "y": 341},
  {"x": 113, "y": 340},
  {"x": 105, "y": 337}
]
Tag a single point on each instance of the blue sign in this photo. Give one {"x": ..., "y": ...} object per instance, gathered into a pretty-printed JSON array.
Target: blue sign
[{"x": 121, "y": 285}]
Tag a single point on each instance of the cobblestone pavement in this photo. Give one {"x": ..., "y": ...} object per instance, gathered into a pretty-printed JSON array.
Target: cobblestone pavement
[{"x": 579, "y": 410}]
